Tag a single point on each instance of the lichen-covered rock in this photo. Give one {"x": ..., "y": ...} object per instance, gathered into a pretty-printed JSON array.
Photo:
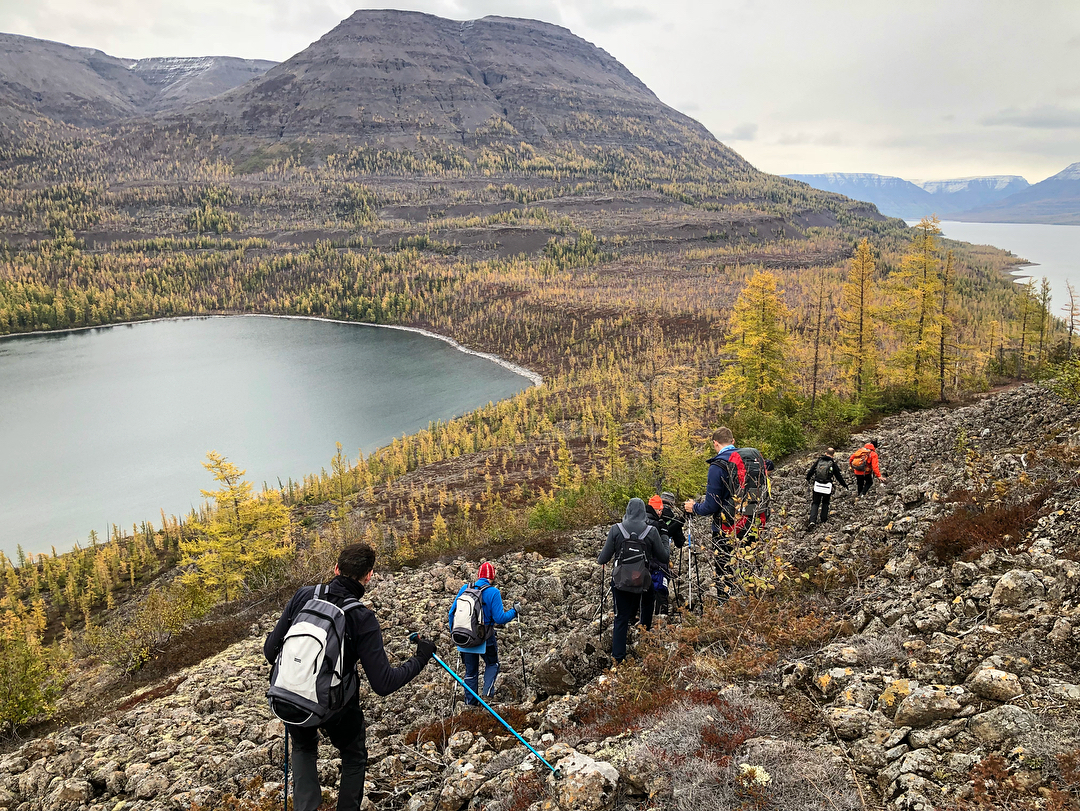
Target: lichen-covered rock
[
  {"x": 924, "y": 706},
  {"x": 997, "y": 685},
  {"x": 586, "y": 784},
  {"x": 849, "y": 722},
  {"x": 1017, "y": 588},
  {"x": 1001, "y": 724}
]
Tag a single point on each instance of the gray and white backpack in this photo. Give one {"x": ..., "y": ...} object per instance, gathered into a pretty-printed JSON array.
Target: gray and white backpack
[{"x": 307, "y": 684}]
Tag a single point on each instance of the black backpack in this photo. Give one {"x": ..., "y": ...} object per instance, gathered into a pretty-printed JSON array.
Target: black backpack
[
  {"x": 632, "y": 571},
  {"x": 748, "y": 481},
  {"x": 823, "y": 471}
]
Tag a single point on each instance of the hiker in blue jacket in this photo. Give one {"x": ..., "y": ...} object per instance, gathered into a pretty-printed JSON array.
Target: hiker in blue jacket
[{"x": 494, "y": 614}]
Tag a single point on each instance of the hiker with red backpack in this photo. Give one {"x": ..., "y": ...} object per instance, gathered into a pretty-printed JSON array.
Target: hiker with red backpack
[
  {"x": 864, "y": 464},
  {"x": 737, "y": 496},
  {"x": 820, "y": 476},
  {"x": 324, "y": 632},
  {"x": 635, "y": 545},
  {"x": 476, "y": 610}
]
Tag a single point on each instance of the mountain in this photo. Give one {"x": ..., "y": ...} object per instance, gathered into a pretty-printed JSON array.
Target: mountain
[
  {"x": 893, "y": 196},
  {"x": 88, "y": 88},
  {"x": 393, "y": 75},
  {"x": 1055, "y": 200},
  {"x": 915, "y": 199},
  {"x": 180, "y": 81},
  {"x": 968, "y": 192}
]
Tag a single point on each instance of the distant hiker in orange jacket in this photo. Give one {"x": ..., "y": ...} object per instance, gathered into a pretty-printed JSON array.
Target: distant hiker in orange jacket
[{"x": 864, "y": 464}]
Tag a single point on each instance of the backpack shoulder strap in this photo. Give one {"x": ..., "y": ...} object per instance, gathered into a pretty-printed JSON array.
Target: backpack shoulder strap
[{"x": 625, "y": 532}]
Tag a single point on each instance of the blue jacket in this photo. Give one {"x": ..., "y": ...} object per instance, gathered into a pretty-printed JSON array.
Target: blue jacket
[
  {"x": 718, "y": 496},
  {"x": 491, "y": 599}
]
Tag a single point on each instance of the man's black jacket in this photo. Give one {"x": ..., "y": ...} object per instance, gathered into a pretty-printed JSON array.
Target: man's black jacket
[{"x": 363, "y": 637}]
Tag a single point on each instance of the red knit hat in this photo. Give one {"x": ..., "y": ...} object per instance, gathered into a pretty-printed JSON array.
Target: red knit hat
[
  {"x": 657, "y": 504},
  {"x": 487, "y": 571}
]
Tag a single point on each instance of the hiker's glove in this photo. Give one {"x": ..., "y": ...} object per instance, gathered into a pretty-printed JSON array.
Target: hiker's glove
[
  {"x": 517, "y": 606},
  {"x": 425, "y": 649}
]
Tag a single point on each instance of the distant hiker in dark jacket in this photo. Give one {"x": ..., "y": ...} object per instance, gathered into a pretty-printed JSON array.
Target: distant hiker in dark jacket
[
  {"x": 639, "y": 598},
  {"x": 363, "y": 644},
  {"x": 494, "y": 614},
  {"x": 864, "y": 464},
  {"x": 660, "y": 513},
  {"x": 728, "y": 523},
  {"x": 821, "y": 475}
]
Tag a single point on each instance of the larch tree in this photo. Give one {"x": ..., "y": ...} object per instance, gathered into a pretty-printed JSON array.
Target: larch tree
[
  {"x": 758, "y": 342},
  {"x": 858, "y": 342},
  {"x": 241, "y": 532},
  {"x": 945, "y": 320},
  {"x": 819, "y": 321},
  {"x": 916, "y": 286}
]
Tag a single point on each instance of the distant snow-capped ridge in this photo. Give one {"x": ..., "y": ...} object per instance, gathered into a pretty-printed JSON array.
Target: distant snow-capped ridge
[
  {"x": 1070, "y": 172},
  {"x": 960, "y": 184}
]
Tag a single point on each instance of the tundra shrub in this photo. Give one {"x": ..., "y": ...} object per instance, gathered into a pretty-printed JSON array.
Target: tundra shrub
[{"x": 31, "y": 677}]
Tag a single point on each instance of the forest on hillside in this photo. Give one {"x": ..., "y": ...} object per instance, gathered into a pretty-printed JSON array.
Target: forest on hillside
[{"x": 659, "y": 295}]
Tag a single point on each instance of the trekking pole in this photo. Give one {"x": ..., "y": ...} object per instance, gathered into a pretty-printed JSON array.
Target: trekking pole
[
  {"x": 413, "y": 637},
  {"x": 689, "y": 567},
  {"x": 285, "y": 802},
  {"x": 521, "y": 647},
  {"x": 603, "y": 594}
]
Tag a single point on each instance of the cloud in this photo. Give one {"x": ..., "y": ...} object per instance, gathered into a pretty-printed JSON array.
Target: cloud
[
  {"x": 1044, "y": 117},
  {"x": 606, "y": 17},
  {"x": 742, "y": 132},
  {"x": 810, "y": 139}
]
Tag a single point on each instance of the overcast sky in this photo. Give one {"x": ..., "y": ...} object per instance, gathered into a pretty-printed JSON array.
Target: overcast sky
[{"x": 921, "y": 90}]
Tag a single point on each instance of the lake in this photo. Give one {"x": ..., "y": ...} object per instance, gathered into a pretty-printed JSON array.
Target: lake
[
  {"x": 1054, "y": 248},
  {"x": 111, "y": 425}
]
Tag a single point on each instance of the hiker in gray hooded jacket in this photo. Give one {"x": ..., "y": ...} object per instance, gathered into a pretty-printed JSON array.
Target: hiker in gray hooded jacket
[{"x": 628, "y": 604}]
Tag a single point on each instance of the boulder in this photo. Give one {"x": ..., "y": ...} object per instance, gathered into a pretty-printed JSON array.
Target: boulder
[
  {"x": 586, "y": 784},
  {"x": 849, "y": 722},
  {"x": 1017, "y": 589},
  {"x": 463, "y": 781},
  {"x": 925, "y": 706},
  {"x": 1003, "y": 723},
  {"x": 996, "y": 685}
]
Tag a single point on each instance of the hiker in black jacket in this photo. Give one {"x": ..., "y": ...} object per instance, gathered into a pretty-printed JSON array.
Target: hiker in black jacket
[
  {"x": 364, "y": 645},
  {"x": 821, "y": 475},
  {"x": 628, "y": 602}
]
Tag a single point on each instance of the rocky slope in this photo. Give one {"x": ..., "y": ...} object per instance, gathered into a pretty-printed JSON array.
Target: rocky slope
[
  {"x": 943, "y": 665},
  {"x": 1054, "y": 200}
]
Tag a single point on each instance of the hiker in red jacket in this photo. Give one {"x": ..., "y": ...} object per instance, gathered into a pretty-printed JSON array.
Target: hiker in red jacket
[{"x": 864, "y": 464}]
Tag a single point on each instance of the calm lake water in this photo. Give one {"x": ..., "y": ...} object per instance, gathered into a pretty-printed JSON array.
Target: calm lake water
[
  {"x": 109, "y": 426},
  {"x": 1054, "y": 248}
]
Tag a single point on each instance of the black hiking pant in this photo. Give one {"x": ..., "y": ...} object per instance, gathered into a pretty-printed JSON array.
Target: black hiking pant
[
  {"x": 863, "y": 484},
  {"x": 347, "y": 734},
  {"x": 628, "y": 604},
  {"x": 819, "y": 501}
]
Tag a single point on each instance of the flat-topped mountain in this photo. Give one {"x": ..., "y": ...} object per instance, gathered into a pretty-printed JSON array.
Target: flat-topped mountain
[
  {"x": 394, "y": 75},
  {"x": 912, "y": 200},
  {"x": 86, "y": 87},
  {"x": 1055, "y": 200}
]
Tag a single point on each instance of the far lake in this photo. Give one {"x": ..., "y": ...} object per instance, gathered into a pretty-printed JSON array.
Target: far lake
[
  {"x": 1054, "y": 248},
  {"x": 111, "y": 425}
]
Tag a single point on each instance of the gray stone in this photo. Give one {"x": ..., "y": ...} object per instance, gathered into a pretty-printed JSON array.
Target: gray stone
[
  {"x": 849, "y": 722},
  {"x": 924, "y": 706},
  {"x": 1016, "y": 589},
  {"x": 586, "y": 784},
  {"x": 1003, "y": 723},
  {"x": 996, "y": 685}
]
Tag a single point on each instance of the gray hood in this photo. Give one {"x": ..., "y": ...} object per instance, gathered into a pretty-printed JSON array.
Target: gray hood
[{"x": 634, "y": 520}]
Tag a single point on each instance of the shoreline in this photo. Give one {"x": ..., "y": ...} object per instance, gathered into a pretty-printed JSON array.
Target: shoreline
[{"x": 534, "y": 378}]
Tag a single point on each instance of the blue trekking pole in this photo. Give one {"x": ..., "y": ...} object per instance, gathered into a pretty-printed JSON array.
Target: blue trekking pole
[{"x": 413, "y": 637}]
